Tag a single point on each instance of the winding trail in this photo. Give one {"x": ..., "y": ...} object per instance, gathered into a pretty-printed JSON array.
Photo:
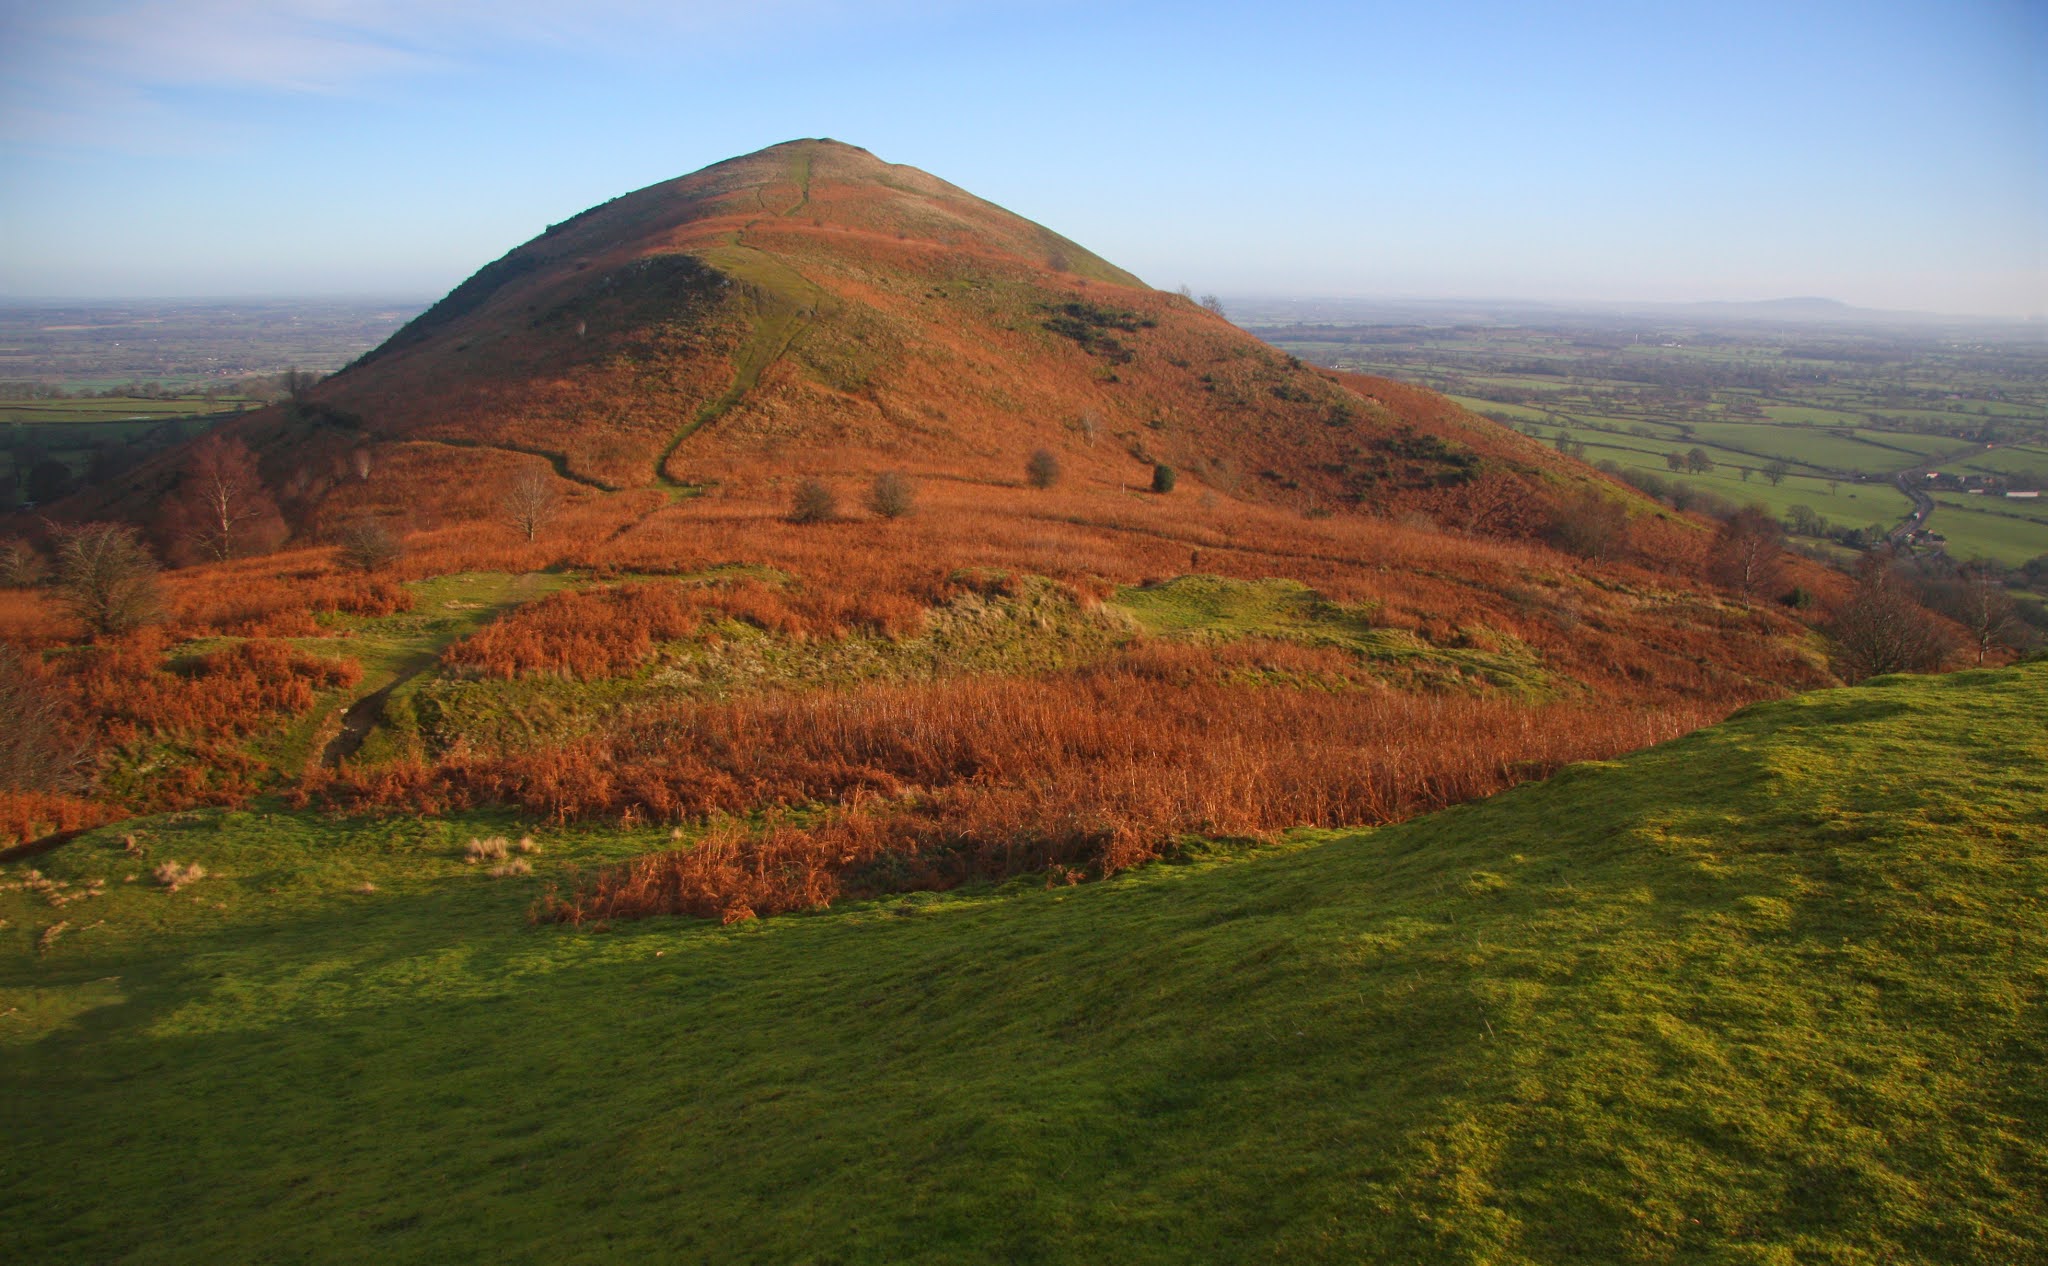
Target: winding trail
[{"x": 557, "y": 460}]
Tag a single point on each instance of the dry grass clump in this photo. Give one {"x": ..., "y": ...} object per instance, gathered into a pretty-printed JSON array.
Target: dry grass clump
[
  {"x": 517, "y": 866},
  {"x": 175, "y": 875},
  {"x": 494, "y": 849},
  {"x": 527, "y": 844}
]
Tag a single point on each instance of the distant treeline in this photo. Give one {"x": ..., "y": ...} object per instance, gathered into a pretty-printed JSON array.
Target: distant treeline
[{"x": 264, "y": 387}]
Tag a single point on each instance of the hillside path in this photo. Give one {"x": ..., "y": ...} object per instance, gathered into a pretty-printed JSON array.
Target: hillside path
[{"x": 363, "y": 715}]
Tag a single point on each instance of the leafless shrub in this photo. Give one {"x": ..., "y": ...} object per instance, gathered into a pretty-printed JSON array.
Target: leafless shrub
[
  {"x": 21, "y": 566},
  {"x": 1589, "y": 525},
  {"x": 43, "y": 744},
  {"x": 892, "y": 496},
  {"x": 367, "y": 545},
  {"x": 1043, "y": 469},
  {"x": 813, "y": 503},
  {"x": 106, "y": 578}
]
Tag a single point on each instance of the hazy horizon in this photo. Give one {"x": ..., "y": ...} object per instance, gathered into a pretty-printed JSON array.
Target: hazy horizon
[
  {"x": 1890, "y": 157},
  {"x": 1529, "y": 303}
]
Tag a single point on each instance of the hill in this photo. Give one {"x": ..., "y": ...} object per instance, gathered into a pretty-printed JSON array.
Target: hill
[
  {"x": 1769, "y": 992},
  {"x": 809, "y": 310},
  {"x": 1239, "y": 594}
]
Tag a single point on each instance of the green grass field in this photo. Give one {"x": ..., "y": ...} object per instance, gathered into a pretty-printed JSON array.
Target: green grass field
[
  {"x": 2005, "y": 531},
  {"x": 114, "y": 409},
  {"x": 2029, "y": 460},
  {"x": 1771, "y": 993}
]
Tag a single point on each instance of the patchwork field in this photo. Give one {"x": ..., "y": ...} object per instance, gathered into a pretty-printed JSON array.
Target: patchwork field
[{"x": 1776, "y": 414}]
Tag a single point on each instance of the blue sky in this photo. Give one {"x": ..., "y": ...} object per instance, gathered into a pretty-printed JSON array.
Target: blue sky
[{"x": 1887, "y": 154}]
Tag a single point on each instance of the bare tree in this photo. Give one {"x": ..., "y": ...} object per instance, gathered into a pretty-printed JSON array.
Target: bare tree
[
  {"x": 106, "y": 578},
  {"x": 892, "y": 496},
  {"x": 297, "y": 383},
  {"x": 1975, "y": 597},
  {"x": 21, "y": 567},
  {"x": 43, "y": 746},
  {"x": 1777, "y": 470},
  {"x": 1215, "y": 305},
  {"x": 530, "y": 502},
  {"x": 222, "y": 509},
  {"x": 1881, "y": 629},
  {"x": 1043, "y": 470},
  {"x": 1748, "y": 553}
]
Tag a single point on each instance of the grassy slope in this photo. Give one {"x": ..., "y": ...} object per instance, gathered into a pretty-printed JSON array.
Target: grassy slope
[{"x": 1768, "y": 993}]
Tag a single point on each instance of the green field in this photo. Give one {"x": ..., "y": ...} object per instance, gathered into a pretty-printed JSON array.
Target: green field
[
  {"x": 2008, "y": 532},
  {"x": 2027, "y": 460},
  {"x": 95, "y": 409},
  {"x": 1769, "y": 993},
  {"x": 77, "y": 432},
  {"x": 1845, "y": 502}
]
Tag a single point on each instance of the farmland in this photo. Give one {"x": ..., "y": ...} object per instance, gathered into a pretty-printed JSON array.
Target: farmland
[
  {"x": 1773, "y": 413},
  {"x": 185, "y": 345},
  {"x": 89, "y": 390}
]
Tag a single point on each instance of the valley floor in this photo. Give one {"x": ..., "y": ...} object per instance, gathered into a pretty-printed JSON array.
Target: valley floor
[{"x": 1771, "y": 992}]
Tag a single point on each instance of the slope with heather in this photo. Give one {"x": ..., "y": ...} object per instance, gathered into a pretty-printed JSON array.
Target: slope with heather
[
  {"x": 1772, "y": 991},
  {"x": 674, "y": 364},
  {"x": 811, "y": 309}
]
